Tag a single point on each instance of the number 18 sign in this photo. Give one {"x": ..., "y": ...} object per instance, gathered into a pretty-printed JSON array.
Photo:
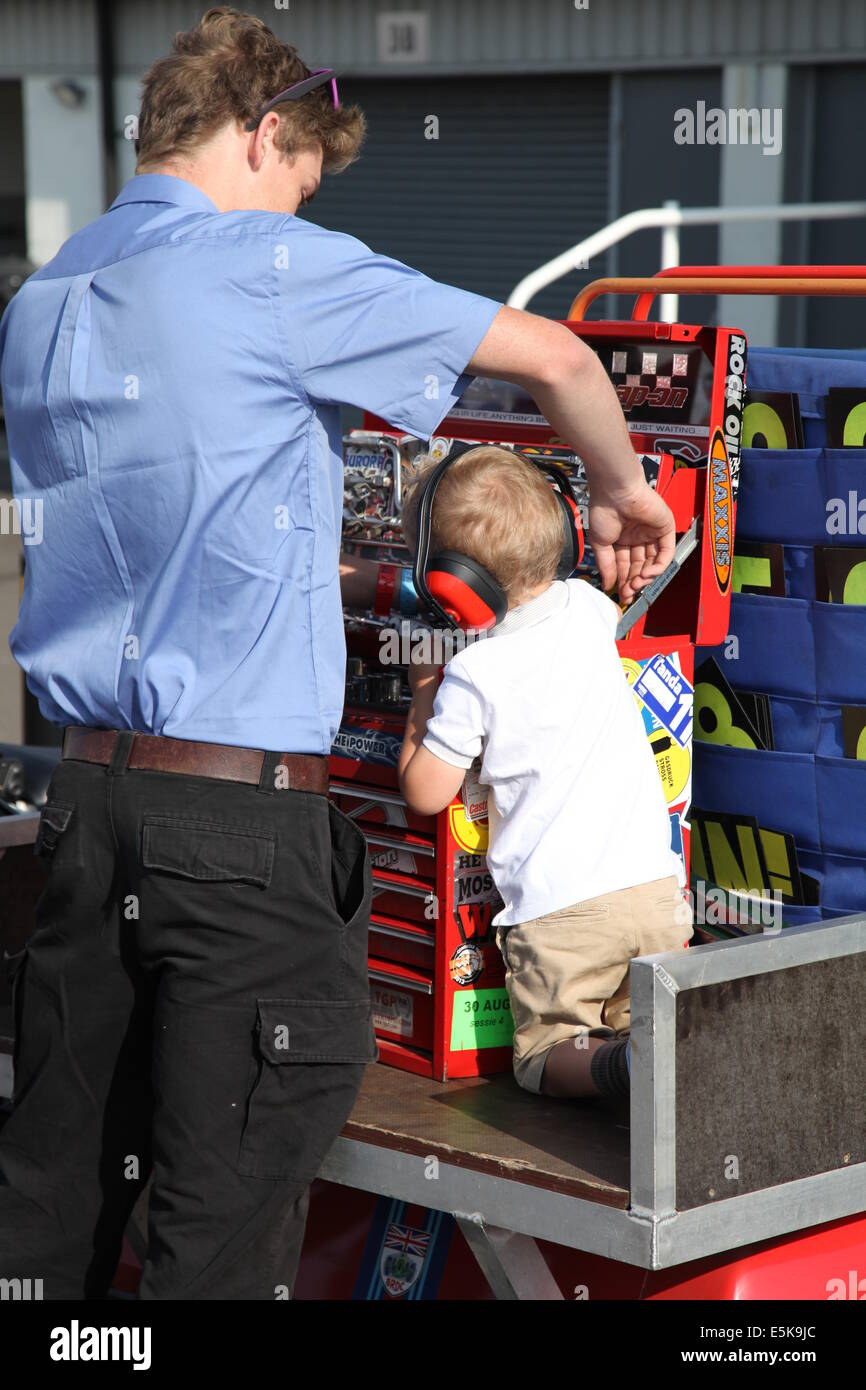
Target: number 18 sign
[{"x": 667, "y": 695}]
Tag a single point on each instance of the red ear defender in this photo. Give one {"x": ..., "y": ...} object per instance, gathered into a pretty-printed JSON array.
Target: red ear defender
[
  {"x": 455, "y": 587},
  {"x": 468, "y": 595},
  {"x": 572, "y": 551}
]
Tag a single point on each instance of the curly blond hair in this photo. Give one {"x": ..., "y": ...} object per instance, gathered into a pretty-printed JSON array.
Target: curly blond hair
[{"x": 226, "y": 69}]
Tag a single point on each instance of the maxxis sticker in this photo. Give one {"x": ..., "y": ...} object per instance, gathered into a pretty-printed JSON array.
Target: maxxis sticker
[{"x": 721, "y": 509}]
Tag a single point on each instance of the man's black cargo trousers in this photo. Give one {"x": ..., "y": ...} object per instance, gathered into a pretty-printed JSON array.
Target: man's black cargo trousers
[{"x": 194, "y": 1003}]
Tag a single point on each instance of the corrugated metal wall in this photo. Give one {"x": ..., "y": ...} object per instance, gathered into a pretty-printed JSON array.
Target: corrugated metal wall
[
  {"x": 502, "y": 189},
  {"x": 464, "y": 35},
  {"x": 47, "y": 36},
  {"x": 520, "y": 34}
]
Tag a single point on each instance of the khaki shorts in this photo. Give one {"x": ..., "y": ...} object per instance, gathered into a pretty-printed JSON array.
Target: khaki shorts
[{"x": 567, "y": 972}]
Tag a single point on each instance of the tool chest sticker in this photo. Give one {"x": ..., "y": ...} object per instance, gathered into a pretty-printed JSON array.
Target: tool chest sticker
[
  {"x": 481, "y": 1018},
  {"x": 472, "y": 835},
  {"x": 393, "y": 1010},
  {"x": 395, "y": 858},
  {"x": 721, "y": 509},
  {"x": 405, "y": 1253},
  {"x": 476, "y": 901},
  {"x": 674, "y": 765},
  {"x": 668, "y": 696},
  {"x": 466, "y": 964},
  {"x": 474, "y": 793},
  {"x": 673, "y": 759},
  {"x": 367, "y": 745}
]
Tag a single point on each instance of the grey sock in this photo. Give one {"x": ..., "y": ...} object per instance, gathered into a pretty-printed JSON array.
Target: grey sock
[{"x": 609, "y": 1069}]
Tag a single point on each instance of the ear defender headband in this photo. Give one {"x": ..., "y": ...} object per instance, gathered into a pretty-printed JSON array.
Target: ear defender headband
[{"x": 459, "y": 591}]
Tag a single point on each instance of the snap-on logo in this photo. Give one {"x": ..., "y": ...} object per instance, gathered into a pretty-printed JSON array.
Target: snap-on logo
[{"x": 721, "y": 509}]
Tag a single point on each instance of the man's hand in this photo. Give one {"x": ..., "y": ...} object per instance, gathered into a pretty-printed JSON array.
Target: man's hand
[{"x": 632, "y": 537}]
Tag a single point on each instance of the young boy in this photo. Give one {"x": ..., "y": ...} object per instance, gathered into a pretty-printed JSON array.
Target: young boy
[{"x": 579, "y": 832}]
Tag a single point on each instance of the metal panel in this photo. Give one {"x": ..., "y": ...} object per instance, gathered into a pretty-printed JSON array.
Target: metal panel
[
  {"x": 465, "y": 35},
  {"x": 514, "y": 1206},
  {"x": 47, "y": 36},
  {"x": 504, "y": 187},
  {"x": 654, "y": 168},
  {"x": 838, "y": 169},
  {"x": 651, "y": 1234}
]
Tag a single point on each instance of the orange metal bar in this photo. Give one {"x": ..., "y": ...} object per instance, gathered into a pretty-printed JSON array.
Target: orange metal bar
[
  {"x": 717, "y": 284},
  {"x": 641, "y": 310}
]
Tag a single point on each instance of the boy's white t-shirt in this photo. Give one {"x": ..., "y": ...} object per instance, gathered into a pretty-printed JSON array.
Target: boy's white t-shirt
[{"x": 576, "y": 805}]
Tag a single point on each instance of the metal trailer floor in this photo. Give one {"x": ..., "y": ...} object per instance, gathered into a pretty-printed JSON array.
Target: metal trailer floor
[
  {"x": 768, "y": 1045},
  {"x": 489, "y": 1125},
  {"x": 753, "y": 1049}
]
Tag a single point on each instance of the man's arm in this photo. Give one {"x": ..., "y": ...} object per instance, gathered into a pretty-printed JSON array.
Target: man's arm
[
  {"x": 630, "y": 528},
  {"x": 358, "y": 581}
]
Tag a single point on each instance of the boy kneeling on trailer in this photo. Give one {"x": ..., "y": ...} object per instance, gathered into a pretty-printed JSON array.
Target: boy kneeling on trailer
[{"x": 579, "y": 832}]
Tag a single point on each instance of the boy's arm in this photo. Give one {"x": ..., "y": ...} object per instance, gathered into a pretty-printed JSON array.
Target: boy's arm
[{"x": 428, "y": 783}]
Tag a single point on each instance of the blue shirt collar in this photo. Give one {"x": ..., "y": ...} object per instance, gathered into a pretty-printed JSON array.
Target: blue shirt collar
[{"x": 164, "y": 188}]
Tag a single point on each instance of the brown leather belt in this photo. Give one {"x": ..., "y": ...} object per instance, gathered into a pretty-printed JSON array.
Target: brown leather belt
[{"x": 307, "y": 772}]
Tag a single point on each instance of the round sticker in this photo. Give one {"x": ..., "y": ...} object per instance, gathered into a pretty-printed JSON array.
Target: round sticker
[
  {"x": 632, "y": 668},
  {"x": 673, "y": 763},
  {"x": 471, "y": 835},
  {"x": 466, "y": 964}
]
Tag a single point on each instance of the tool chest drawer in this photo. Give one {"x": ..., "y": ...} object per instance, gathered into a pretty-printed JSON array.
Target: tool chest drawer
[
  {"x": 405, "y": 942},
  {"x": 400, "y": 895},
  {"x": 375, "y": 808},
  {"x": 402, "y": 853},
  {"x": 402, "y": 1000}
]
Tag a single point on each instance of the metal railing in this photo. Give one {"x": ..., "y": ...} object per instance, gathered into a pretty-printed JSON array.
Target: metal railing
[{"x": 670, "y": 218}]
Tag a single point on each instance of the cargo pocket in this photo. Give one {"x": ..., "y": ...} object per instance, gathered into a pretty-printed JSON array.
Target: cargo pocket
[
  {"x": 207, "y": 850},
  {"x": 308, "y": 1064},
  {"x": 54, "y": 820},
  {"x": 59, "y": 846}
]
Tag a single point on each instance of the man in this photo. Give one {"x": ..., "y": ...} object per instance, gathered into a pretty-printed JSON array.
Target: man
[{"x": 195, "y": 1002}]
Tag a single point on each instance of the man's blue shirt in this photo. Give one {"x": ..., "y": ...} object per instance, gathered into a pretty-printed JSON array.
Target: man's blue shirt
[{"x": 172, "y": 382}]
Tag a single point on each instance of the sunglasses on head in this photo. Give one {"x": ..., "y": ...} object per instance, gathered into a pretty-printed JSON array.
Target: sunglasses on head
[{"x": 299, "y": 89}]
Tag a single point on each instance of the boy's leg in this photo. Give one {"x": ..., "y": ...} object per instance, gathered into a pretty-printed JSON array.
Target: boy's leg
[
  {"x": 560, "y": 970},
  {"x": 82, "y": 1061},
  {"x": 660, "y": 921},
  {"x": 663, "y": 922},
  {"x": 588, "y": 995}
]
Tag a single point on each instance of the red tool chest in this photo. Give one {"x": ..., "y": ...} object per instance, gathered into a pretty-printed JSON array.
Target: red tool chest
[{"x": 437, "y": 978}]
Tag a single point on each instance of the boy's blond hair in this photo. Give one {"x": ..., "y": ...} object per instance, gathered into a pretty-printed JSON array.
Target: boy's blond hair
[{"x": 496, "y": 508}]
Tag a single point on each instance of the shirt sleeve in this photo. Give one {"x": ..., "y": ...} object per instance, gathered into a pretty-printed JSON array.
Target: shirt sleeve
[
  {"x": 365, "y": 330},
  {"x": 608, "y": 610},
  {"x": 456, "y": 731}
]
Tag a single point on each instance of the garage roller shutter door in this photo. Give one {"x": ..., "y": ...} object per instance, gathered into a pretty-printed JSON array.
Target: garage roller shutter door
[{"x": 518, "y": 174}]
